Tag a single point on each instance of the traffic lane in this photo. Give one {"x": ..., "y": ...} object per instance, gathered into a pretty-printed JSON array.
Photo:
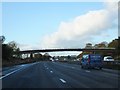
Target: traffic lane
[
  {"x": 95, "y": 72},
  {"x": 94, "y": 79},
  {"x": 77, "y": 67},
  {"x": 75, "y": 80},
  {"x": 69, "y": 82},
  {"x": 113, "y": 73},
  {"x": 36, "y": 76},
  {"x": 57, "y": 77},
  {"x": 98, "y": 76}
]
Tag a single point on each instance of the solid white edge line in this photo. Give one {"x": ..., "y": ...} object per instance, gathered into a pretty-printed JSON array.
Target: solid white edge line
[
  {"x": 10, "y": 73},
  {"x": 62, "y": 80}
]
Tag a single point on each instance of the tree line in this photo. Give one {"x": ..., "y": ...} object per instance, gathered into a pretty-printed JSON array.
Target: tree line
[
  {"x": 9, "y": 50},
  {"x": 113, "y": 44}
]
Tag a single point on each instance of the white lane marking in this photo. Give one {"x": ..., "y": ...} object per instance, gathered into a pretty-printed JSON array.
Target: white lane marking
[
  {"x": 44, "y": 65},
  {"x": 62, "y": 80},
  {"x": 87, "y": 70},
  {"x": 73, "y": 67},
  {"x": 10, "y": 73},
  {"x": 47, "y": 68},
  {"x": 22, "y": 65},
  {"x": 51, "y": 71}
]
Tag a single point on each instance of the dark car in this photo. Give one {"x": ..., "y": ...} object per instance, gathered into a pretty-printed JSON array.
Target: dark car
[{"x": 91, "y": 61}]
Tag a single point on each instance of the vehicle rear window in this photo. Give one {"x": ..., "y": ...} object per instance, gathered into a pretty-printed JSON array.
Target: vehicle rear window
[
  {"x": 95, "y": 57},
  {"x": 85, "y": 56},
  {"x": 109, "y": 58}
]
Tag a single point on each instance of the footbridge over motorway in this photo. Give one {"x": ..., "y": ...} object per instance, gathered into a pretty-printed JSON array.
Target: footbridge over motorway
[
  {"x": 31, "y": 52},
  {"x": 77, "y": 49}
]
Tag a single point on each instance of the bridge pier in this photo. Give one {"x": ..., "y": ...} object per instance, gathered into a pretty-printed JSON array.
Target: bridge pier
[{"x": 31, "y": 55}]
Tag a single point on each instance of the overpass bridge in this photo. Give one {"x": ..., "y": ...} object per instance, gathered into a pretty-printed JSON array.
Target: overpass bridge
[
  {"x": 31, "y": 52},
  {"x": 77, "y": 49}
]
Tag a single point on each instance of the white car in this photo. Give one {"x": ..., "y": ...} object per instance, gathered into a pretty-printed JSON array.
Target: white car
[{"x": 108, "y": 58}]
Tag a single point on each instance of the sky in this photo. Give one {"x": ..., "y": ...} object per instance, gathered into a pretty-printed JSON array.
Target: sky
[{"x": 42, "y": 25}]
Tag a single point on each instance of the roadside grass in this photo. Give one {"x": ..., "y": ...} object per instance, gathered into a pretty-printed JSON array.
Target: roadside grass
[
  {"x": 6, "y": 63},
  {"x": 13, "y": 62}
]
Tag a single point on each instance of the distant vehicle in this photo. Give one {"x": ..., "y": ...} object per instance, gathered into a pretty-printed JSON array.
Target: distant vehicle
[
  {"x": 56, "y": 59},
  {"x": 108, "y": 58},
  {"x": 91, "y": 61},
  {"x": 51, "y": 59}
]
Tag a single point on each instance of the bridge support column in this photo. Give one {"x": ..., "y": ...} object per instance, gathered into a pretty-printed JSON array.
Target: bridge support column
[{"x": 31, "y": 55}]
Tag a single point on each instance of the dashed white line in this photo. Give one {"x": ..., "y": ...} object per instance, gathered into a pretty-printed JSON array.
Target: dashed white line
[
  {"x": 47, "y": 68},
  {"x": 62, "y": 80},
  {"x": 51, "y": 71},
  {"x": 87, "y": 71},
  {"x": 44, "y": 65}
]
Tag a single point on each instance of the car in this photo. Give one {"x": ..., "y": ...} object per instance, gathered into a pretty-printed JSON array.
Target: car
[
  {"x": 91, "y": 61},
  {"x": 108, "y": 58},
  {"x": 51, "y": 59}
]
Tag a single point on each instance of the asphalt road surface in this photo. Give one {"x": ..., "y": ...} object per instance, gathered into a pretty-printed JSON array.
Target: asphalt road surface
[{"x": 57, "y": 75}]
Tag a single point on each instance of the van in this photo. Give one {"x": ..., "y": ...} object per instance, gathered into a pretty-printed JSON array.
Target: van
[{"x": 91, "y": 61}]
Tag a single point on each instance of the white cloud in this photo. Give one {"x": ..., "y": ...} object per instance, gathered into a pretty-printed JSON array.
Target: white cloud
[
  {"x": 82, "y": 29},
  {"x": 28, "y": 47}
]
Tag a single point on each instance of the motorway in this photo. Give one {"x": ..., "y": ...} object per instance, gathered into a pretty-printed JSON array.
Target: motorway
[{"x": 48, "y": 74}]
